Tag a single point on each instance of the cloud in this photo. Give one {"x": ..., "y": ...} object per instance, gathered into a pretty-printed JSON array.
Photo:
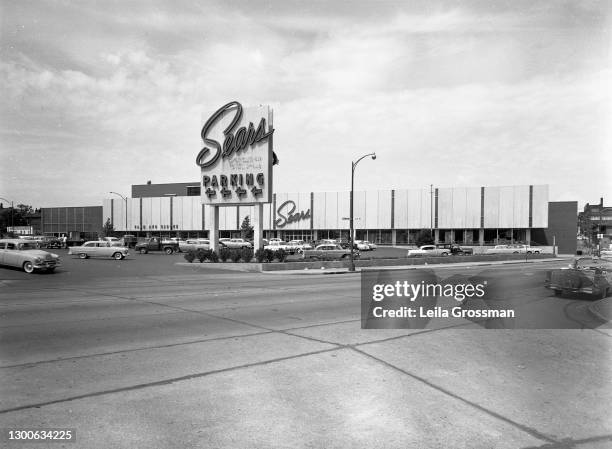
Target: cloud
[{"x": 471, "y": 94}]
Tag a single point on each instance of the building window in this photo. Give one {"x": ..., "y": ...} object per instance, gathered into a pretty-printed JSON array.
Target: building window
[{"x": 193, "y": 191}]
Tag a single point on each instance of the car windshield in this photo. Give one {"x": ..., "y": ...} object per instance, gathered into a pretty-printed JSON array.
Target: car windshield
[{"x": 27, "y": 245}]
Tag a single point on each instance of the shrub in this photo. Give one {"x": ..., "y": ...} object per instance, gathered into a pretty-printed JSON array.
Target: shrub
[
  {"x": 200, "y": 255},
  {"x": 235, "y": 255},
  {"x": 281, "y": 255},
  {"x": 189, "y": 256},
  {"x": 268, "y": 255},
  {"x": 247, "y": 254},
  {"x": 260, "y": 255},
  {"x": 214, "y": 257},
  {"x": 224, "y": 253}
]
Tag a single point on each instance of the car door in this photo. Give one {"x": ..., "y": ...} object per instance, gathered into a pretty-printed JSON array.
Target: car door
[
  {"x": 88, "y": 248},
  {"x": 11, "y": 255},
  {"x": 2, "y": 251},
  {"x": 104, "y": 249}
]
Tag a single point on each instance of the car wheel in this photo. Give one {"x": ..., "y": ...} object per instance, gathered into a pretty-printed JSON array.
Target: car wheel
[
  {"x": 169, "y": 251},
  {"x": 28, "y": 267},
  {"x": 117, "y": 256},
  {"x": 558, "y": 292},
  {"x": 515, "y": 252},
  {"x": 445, "y": 254},
  {"x": 82, "y": 256},
  {"x": 50, "y": 270},
  {"x": 143, "y": 251},
  {"x": 536, "y": 252},
  {"x": 603, "y": 294}
]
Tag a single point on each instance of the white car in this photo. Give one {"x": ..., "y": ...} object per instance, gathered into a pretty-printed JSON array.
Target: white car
[
  {"x": 235, "y": 243},
  {"x": 25, "y": 254},
  {"x": 99, "y": 248},
  {"x": 299, "y": 245},
  {"x": 428, "y": 250},
  {"x": 276, "y": 245},
  {"x": 372, "y": 246},
  {"x": 194, "y": 244},
  {"x": 362, "y": 245},
  {"x": 513, "y": 249}
]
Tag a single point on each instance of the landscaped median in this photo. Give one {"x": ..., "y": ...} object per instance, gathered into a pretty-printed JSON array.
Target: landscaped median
[{"x": 274, "y": 265}]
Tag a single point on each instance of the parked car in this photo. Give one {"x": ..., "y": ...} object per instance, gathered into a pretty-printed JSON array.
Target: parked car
[
  {"x": 156, "y": 244},
  {"x": 276, "y": 245},
  {"x": 585, "y": 275},
  {"x": 99, "y": 248},
  {"x": 194, "y": 244},
  {"x": 129, "y": 240},
  {"x": 25, "y": 254},
  {"x": 235, "y": 243},
  {"x": 297, "y": 246},
  {"x": 362, "y": 245},
  {"x": 328, "y": 252},
  {"x": 428, "y": 250},
  {"x": 512, "y": 249},
  {"x": 372, "y": 246},
  {"x": 455, "y": 249},
  {"x": 52, "y": 243}
]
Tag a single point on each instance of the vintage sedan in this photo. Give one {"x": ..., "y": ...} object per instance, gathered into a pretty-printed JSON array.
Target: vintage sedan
[
  {"x": 428, "y": 250},
  {"x": 372, "y": 246},
  {"x": 194, "y": 244},
  {"x": 297, "y": 246},
  {"x": 362, "y": 245},
  {"x": 235, "y": 243},
  {"x": 328, "y": 252},
  {"x": 589, "y": 275},
  {"x": 276, "y": 245},
  {"x": 513, "y": 249},
  {"x": 99, "y": 248},
  {"x": 25, "y": 254}
]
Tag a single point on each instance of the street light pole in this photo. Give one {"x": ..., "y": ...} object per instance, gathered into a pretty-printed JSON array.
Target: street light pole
[
  {"x": 125, "y": 200},
  {"x": 12, "y": 213},
  {"x": 352, "y": 242}
]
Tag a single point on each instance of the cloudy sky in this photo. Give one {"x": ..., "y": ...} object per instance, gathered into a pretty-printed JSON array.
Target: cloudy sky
[{"x": 97, "y": 96}]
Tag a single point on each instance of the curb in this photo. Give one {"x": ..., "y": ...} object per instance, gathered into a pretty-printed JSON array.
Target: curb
[{"x": 596, "y": 311}]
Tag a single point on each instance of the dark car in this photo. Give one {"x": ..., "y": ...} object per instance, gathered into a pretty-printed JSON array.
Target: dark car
[
  {"x": 455, "y": 249},
  {"x": 53, "y": 243},
  {"x": 587, "y": 275}
]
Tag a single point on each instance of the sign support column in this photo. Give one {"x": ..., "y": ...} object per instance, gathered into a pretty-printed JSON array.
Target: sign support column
[
  {"x": 258, "y": 227},
  {"x": 213, "y": 231}
]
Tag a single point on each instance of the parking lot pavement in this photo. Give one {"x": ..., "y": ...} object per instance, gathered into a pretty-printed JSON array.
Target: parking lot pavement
[{"x": 226, "y": 359}]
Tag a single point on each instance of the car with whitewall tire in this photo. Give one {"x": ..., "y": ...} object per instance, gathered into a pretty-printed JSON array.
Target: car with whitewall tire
[
  {"x": 99, "y": 248},
  {"x": 26, "y": 255}
]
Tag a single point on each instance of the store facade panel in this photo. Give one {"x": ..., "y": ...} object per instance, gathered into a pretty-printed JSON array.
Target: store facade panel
[
  {"x": 539, "y": 209},
  {"x": 412, "y": 209},
  {"x": 293, "y": 211}
]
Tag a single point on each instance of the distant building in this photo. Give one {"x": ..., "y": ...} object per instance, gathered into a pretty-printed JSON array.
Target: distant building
[{"x": 595, "y": 219}]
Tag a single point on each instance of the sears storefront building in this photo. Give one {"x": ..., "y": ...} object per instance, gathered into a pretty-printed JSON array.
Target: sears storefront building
[{"x": 466, "y": 215}]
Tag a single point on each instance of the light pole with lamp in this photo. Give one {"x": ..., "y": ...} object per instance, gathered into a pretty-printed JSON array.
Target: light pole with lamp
[
  {"x": 352, "y": 242},
  {"x": 12, "y": 212},
  {"x": 125, "y": 200}
]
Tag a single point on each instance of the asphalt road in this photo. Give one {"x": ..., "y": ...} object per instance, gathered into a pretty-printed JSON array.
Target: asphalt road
[{"x": 145, "y": 353}]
